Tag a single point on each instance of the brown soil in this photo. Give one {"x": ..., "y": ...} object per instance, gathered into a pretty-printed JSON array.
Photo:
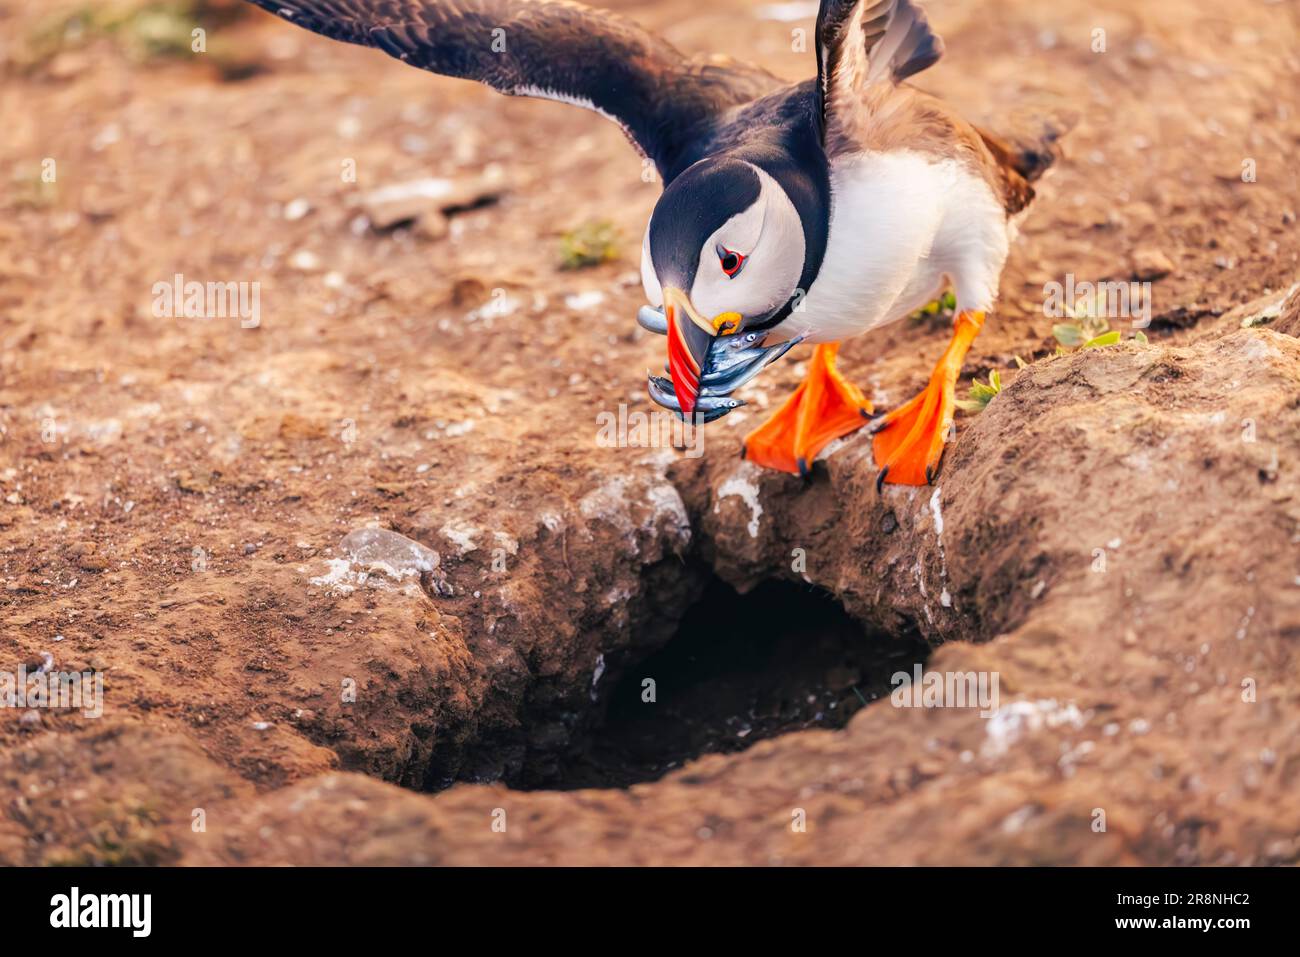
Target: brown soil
[{"x": 172, "y": 491}]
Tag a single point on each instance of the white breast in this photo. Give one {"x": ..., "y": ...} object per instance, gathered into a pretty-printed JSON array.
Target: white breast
[{"x": 900, "y": 223}]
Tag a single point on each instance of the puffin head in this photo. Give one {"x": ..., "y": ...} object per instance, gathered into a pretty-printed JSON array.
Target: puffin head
[{"x": 724, "y": 250}]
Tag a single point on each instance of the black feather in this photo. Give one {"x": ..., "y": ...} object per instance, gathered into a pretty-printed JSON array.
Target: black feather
[{"x": 662, "y": 99}]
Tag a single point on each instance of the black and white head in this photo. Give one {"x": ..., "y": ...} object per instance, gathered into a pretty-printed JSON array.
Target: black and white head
[{"x": 724, "y": 250}]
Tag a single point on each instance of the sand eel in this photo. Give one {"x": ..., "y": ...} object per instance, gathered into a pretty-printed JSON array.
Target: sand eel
[{"x": 809, "y": 212}]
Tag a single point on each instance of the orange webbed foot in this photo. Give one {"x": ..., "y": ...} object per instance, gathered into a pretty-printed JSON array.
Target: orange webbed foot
[
  {"x": 825, "y": 407},
  {"x": 909, "y": 441}
]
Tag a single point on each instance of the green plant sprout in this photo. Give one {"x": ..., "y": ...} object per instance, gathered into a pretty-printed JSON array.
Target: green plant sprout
[
  {"x": 982, "y": 392},
  {"x": 1090, "y": 328},
  {"x": 945, "y": 305},
  {"x": 590, "y": 244}
]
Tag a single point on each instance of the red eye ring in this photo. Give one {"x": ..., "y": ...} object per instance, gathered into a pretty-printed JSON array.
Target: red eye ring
[{"x": 729, "y": 260}]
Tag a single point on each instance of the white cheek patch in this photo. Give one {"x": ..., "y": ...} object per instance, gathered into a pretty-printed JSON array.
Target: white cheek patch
[
  {"x": 654, "y": 293},
  {"x": 770, "y": 236}
]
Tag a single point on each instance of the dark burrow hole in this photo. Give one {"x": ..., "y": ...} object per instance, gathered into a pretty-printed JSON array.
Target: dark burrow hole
[{"x": 740, "y": 669}]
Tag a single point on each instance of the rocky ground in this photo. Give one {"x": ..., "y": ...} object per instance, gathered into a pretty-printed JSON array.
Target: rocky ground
[{"x": 1116, "y": 536}]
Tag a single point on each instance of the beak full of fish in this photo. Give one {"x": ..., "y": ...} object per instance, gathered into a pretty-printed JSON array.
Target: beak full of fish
[{"x": 731, "y": 362}]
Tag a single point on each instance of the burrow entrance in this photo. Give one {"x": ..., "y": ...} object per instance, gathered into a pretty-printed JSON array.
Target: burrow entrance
[{"x": 739, "y": 670}]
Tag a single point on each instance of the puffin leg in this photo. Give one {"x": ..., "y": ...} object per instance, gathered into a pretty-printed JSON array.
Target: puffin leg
[
  {"x": 909, "y": 440},
  {"x": 824, "y": 407}
]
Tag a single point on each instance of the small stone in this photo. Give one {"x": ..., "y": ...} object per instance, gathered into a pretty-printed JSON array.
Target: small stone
[
  {"x": 413, "y": 201},
  {"x": 467, "y": 291},
  {"x": 196, "y": 482},
  {"x": 304, "y": 260},
  {"x": 378, "y": 549},
  {"x": 31, "y": 719},
  {"x": 1150, "y": 263},
  {"x": 432, "y": 224},
  {"x": 296, "y": 209}
]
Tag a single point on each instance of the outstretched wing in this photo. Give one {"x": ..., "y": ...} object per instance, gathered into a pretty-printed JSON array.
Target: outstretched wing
[
  {"x": 547, "y": 48},
  {"x": 862, "y": 43}
]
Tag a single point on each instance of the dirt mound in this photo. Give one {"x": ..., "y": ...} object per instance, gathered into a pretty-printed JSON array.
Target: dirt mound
[{"x": 1144, "y": 649}]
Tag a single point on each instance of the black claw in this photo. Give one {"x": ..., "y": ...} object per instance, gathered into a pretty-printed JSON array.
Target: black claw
[
  {"x": 929, "y": 475},
  {"x": 804, "y": 471},
  {"x": 880, "y": 480},
  {"x": 744, "y": 450}
]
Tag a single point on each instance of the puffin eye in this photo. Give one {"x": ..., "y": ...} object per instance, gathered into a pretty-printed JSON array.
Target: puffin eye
[{"x": 730, "y": 261}]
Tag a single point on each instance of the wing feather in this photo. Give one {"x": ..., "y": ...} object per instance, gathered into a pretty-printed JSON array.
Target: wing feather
[
  {"x": 552, "y": 49},
  {"x": 864, "y": 43}
]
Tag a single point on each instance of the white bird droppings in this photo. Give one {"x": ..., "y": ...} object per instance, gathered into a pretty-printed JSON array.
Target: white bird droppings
[
  {"x": 1012, "y": 722},
  {"x": 583, "y": 301},
  {"x": 743, "y": 487},
  {"x": 936, "y": 509},
  {"x": 936, "y": 512},
  {"x": 460, "y": 534},
  {"x": 597, "y": 674}
]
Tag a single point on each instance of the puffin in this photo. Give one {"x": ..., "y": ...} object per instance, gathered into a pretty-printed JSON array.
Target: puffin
[{"x": 807, "y": 212}]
